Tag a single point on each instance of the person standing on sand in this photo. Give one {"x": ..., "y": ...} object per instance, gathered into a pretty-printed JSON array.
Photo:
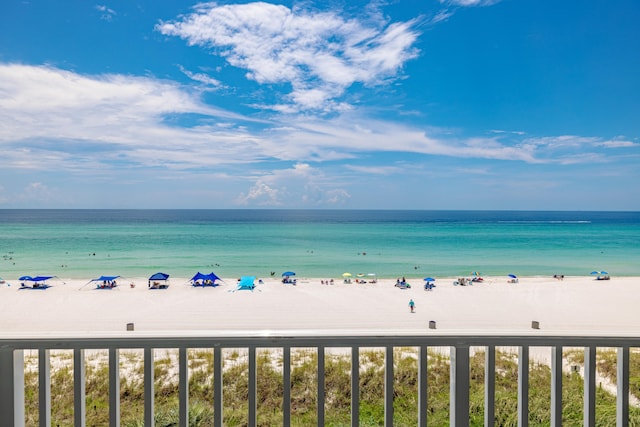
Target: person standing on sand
[{"x": 412, "y": 305}]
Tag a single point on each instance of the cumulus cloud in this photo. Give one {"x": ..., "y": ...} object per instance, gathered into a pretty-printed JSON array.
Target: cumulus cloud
[
  {"x": 319, "y": 54},
  {"x": 300, "y": 185}
]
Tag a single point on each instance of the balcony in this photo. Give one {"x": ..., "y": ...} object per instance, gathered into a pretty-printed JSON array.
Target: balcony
[{"x": 12, "y": 371}]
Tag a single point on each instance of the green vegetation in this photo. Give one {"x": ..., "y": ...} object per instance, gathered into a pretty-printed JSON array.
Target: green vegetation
[
  {"x": 607, "y": 364},
  {"x": 304, "y": 387}
]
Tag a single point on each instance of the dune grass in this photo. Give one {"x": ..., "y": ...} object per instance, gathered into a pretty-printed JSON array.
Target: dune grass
[{"x": 304, "y": 387}]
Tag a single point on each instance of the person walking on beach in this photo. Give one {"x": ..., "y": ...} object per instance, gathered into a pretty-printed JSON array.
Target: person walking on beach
[{"x": 412, "y": 305}]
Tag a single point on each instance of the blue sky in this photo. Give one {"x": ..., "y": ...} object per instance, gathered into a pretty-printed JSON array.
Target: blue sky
[{"x": 430, "y": 104}]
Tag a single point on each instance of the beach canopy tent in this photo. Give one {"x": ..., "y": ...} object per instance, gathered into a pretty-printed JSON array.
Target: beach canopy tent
[
  {"x": 105, "y": 279},
  {"x": 37, "y": 282},
  {"x": 204, "y": 279},
  {"x": 104, "y": 282},
  {"x": 159, "y": 281},
  {"x": 159, "y": 276},
  {"x": 246, "y": 283}
]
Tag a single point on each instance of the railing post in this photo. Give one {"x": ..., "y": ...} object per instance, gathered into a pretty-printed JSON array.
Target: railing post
[
  {"x": 490, "y": 386},
  {"x": 422, "y": 386},
  {"x": 321, "y": 383},
  {"x": 183, "y": 387},
  {"x": 44, "y": 387},
  {"x": 114, "y": 387},
  {"x": 590, "y": 386},
  {"x": 11, "y": 387},
  {"x": 79, "y": 396},
  {"x": 217, "y": 386},
  {"x": 253, "y": 393},
  {"x": 459, "y": 386},
  {"x": 556, "y": 386},
  {"x": 388, "y": 387},
  {"x": 523, "y": 386},
  {"x": 355, "y": 386},
  {"x": 622, "y": 399},
  {"x": 149, "y": 392},
  {"x": 286, "y": 382}
]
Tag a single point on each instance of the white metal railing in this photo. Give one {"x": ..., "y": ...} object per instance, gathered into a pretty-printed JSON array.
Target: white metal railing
[{"x": 12, "y": 399}]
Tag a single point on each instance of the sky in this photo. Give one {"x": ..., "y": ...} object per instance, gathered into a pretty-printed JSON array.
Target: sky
[{"x": 398, "y": 104}]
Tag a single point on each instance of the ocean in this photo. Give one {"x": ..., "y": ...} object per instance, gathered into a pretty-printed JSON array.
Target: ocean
[{"x": 81, "y": 244}]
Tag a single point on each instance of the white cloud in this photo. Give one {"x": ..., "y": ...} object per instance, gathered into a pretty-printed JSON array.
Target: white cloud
[
  {"x": 442, "y": 15},
  {"x": 107, "y": 13},
  {"x": 320, "y": 54},
  {"x": 575, "y": 142},
  {"x": 469, "y": 3},
  {"x": 97, "y": 126},
  {"x": 377, "y": 169},
  {"x": 203, "y": 78},
  {"x": 349, "y": 134},
  {"x": 618, "y": 143},
  {"x": 37, "y": 191},
  {"x": 300, "y": 185},
  {"x": 90, "y": 122}
]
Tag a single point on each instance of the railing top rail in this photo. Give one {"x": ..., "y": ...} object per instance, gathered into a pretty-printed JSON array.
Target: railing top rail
[{"x": 303, "y": 338}]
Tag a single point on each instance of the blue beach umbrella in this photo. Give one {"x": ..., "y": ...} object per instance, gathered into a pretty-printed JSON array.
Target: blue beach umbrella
[
  {"x": 288, "y": 273},
  {"x": 513, "y": 276},
  {"x": 429, "y": 279}
]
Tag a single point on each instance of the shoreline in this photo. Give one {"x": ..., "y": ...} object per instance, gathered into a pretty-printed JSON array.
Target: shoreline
[{"x": 576, "y": 305}]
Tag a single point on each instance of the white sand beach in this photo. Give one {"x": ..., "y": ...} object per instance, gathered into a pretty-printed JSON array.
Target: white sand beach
[{"x": 573, "y": 306}]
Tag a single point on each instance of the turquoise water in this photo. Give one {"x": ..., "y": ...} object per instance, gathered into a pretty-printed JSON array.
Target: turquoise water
[{"x": 136, "y": 243}]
